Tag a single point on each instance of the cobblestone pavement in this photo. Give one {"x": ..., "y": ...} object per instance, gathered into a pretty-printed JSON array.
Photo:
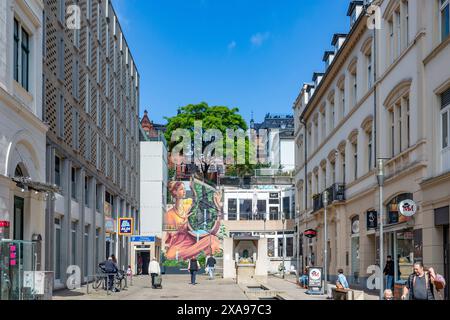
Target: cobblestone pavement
[{"x": 177, "y": 287}]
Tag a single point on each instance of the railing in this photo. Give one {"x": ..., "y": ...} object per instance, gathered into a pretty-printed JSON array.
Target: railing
[
  {"x": 259, "y": 216},
  {"x": 335, "y": 193}
]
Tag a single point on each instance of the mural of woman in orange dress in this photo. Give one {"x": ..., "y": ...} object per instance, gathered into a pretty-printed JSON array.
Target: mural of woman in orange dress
[{"x": 182, "y": 244}]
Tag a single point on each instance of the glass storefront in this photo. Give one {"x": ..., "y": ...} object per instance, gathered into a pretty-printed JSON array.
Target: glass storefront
[{"x": 17, "y": 270}]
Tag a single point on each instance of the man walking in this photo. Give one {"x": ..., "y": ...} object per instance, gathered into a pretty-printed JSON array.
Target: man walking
[
  {"x": 420, "y": 284},
  {"x": 210, "y": 264},
  {"x": 155, "y": 270},
  {"x": 193, "y": 267},
  {"x": 389, "y": 272}
]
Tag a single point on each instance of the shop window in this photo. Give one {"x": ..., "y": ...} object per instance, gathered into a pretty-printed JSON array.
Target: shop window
[
  {"x": 271, "y": 247},
  {"x": 393, "y": 214}
]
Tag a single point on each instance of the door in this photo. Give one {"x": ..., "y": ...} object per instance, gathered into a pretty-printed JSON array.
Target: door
[
  {"x": 18, "y": 218},
  {"x": 145, "y": 255},
  {"x": 355, "y": 258}
]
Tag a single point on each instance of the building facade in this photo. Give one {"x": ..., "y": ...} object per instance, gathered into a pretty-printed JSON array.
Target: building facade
[
  {"x": 276, "y": 146},
  {"x": 91, "y": 105},
  {"x": 22, "y": 131},
  {"x": 384, "y": 94},
  {"x": 255, "y": 213}
]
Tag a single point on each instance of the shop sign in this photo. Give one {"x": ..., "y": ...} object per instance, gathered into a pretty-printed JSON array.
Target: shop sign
[
  {"x": 315, "y": 277},
  {"x": 408, "y": 208},
  {"x": 125, "y": 226},
  {"x": 143, "y": 239},
  {"x": 310, "y": 233},
  {"x": 372, "y": 220},
  {"x": 109, "y": 225}
]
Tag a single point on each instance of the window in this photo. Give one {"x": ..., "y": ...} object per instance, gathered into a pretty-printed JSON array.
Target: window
[
  {"x": 57, "y": 248},
  {"x": 445, "y": 18},
  {"x": 97, "y": 245},
  {"x": 16, "y": 50},
  {"x": 323, "y": 124},
  {"x": 73, "y": 180},
  {"x": 73, "y": 233},
  {"x": 280, "y": 247},
  {"x": 89, "y": 47},
  {"x": 369, "y": 70},
  {"x": 98, "y": 66},
  {"x": 332, "y": 115},
  {"x": 86, "y": 250},
  {"x": 61, "y": 11},
  {"x": 355, "y": 160},
  {"x": 369, "y": 150},
  {"x": 99, "y": 114},
  {"x": 88, "y": 9},
  {"x": 245, "y": 209},
  {"x": 61, "y": 59},
  {"x": 342, "y": 101},
  {"x": 445, "y": 118},
  {"x": 57, "y": 171},
  {"x": 262, "y": 206},
  {"x": 75, "y": 75},
  {"x": 273, "y": 213},
  {"x": 21, "y": 55},
  {"x": 286, "y": 208},
  {"x": 289, "y": 247},
  {"x": 87, "y": 191},
  {"x": 392, "y": 132},
  {"x": 75, "y": 129},
  {"x": 60, "y": 116},
  {"x": 354, "y": 82},
  {"x": 333, "y": 172},
  {"x": 88, "y": 95},
  {"x": 270, "y": 247}
]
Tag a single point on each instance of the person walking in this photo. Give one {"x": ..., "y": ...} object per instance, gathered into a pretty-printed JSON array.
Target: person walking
[
  {"x": 193, "y": 268},
  {"x": 389, "y": 272},
  {"x": 420, "y": 284},
  {"x": 211, "y": 265},
  {"x": 155, "y": 270}
]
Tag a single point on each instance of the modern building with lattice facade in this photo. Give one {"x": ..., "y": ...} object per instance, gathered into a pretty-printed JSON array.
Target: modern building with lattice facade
[{"x": 91, "y": 105}]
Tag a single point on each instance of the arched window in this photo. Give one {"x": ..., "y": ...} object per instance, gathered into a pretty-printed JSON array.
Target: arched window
[{"x": 393, "y": 215}]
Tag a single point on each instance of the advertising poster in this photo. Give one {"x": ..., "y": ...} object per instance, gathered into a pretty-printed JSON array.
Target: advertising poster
[{"x": 315, "y": 278}]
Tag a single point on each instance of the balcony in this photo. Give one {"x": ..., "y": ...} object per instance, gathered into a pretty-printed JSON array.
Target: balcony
[{"x": 335, "y": 193}]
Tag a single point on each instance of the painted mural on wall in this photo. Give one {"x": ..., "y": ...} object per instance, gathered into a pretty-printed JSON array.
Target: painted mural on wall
[{"x": 192, "y": 222}]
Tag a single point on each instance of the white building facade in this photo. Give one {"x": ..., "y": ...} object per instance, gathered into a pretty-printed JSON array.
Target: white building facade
[{"x": 22, "y": 131}]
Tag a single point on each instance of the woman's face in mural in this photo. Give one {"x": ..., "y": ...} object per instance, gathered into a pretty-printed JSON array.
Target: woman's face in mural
[{"x": 180, "y": 192}]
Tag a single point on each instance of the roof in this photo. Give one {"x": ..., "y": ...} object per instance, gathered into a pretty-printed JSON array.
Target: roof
[{"x": 272, "y": 121}]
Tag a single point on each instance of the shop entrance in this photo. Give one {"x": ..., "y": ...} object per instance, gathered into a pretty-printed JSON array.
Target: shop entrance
[{"x": 143, "y": 261}]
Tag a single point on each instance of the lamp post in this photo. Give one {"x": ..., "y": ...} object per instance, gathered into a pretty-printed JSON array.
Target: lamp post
[
  {"x": 380, "y": 178},
  {"x": 325, "y": 240}
]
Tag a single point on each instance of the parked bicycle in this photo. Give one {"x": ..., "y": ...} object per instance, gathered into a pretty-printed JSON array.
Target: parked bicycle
[{"x": 102, "y": 280}]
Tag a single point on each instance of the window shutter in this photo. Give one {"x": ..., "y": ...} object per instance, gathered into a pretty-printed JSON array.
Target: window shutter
[{"x": 445, "y": 99}]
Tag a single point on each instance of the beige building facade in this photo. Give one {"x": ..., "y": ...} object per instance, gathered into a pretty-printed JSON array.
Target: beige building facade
[{"x": 384, "y": 94}]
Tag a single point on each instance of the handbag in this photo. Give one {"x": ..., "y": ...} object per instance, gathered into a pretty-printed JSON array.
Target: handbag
[{"x": 439, "y": 282}]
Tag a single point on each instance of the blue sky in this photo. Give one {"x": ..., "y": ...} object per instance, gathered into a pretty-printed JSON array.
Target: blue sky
[{"x": 250, "y": 54}]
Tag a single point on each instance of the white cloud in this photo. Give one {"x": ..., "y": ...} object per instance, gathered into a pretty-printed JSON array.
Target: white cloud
[
  {"x": 259, "y": 38},
  {"x": 232, "y": 45}
]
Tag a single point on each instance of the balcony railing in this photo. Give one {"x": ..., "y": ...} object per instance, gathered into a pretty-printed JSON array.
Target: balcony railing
[{"x": 335, "y": 193}]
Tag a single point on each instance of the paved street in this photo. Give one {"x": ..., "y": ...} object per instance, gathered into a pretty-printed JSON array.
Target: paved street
[{"x": 177, "y": 287}]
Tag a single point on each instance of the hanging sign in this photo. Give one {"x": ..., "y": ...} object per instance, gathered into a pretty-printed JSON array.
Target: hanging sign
[
  {"x": 407, "y": 208},
  {"x": 372, "y": 220},
  {"x": 310, "y": 233}
]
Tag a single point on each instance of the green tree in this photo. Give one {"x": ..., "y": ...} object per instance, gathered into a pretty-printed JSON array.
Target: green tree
[{"x": 212, "y": 117}]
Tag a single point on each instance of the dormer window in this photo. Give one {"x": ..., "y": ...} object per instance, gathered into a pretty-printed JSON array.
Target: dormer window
[
  {"x": 354, "y": 10},
  {"x": 338, "y": 41},
  {"x": 328, "y": 58},
  {"x": 317, "y": 77}
]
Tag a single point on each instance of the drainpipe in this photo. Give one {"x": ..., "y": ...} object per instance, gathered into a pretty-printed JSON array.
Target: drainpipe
[{"x": 302, "y": 121}]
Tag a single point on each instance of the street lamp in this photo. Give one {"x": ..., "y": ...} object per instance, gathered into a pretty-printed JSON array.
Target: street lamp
[
  {"x": 380, "y": 178},
  {"x": 325, "y": 239}
]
